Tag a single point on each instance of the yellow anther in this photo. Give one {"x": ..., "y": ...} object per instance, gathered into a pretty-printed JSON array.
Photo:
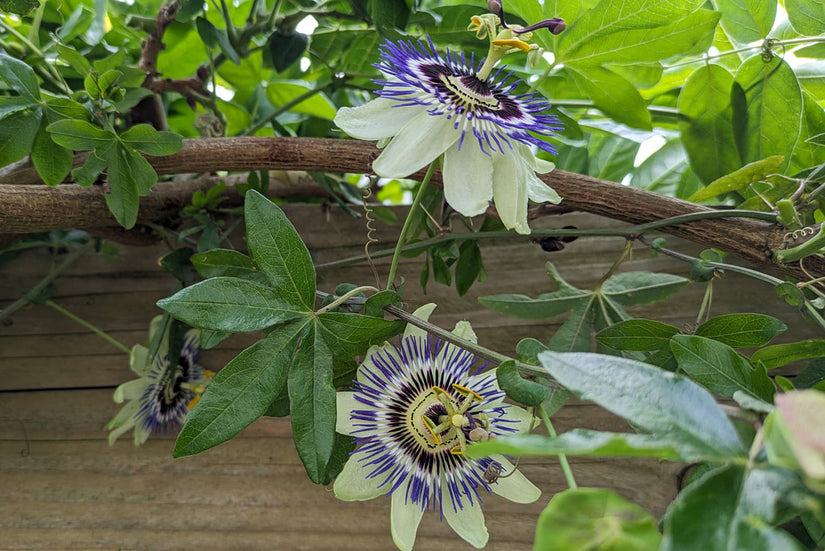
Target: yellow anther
[
  {"x": 456, "y": 450},
  {"x": 192, "y": 402},
  {"x": 513, "y": 43},
  {"x": 429, "y": 426},
  {"x": 438, "y": 390},
  {"x": 467, "y": 392}
]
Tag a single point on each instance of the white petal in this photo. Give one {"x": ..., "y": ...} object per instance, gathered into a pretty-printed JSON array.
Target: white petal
[
  {"x": 540, "y": 192},
  {"x": 515, "y": 486},
  {"x": 141, "y": 435},
  {"x": 510, "y": 191},
  {"x": 345, "y": 402},
  {"x": 526, "y": 420},
  {"x": 422, "y": 312},
  {"x": 415, "y": 146},
  {"x": 538, "y": 165},
  {"x": 139, "y": 360},
  {"x": 131, "y": 390},
  {"x": 376, "y": 119},
  {"x": 352, "y": 483},
  {"x": 464, "y": 330},
  {"x": 404, "y": 520},
  {"x": 468, "y": 523},
  {"x": 468, "y": 177}
]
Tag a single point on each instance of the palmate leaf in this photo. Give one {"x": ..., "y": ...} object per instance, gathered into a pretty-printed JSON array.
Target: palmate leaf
[
  {"x": 53, "y": 162},
  {"x": 17, "y": 133},
  {"x": 590, "y": 310}
]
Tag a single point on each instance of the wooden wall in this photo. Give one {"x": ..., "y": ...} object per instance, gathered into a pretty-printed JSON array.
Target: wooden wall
[{"x": 62, "y": 486}]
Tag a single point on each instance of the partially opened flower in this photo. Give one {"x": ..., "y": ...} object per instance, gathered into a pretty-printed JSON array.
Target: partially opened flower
[
  {"x": 431, "y": 105},
  {"x": 159, "y": 400},
  {"x": 414, "y": 410}
]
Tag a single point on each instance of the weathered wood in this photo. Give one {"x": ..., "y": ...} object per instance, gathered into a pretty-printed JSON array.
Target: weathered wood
[
  {"x": 27, "y": 209},
  {"x": 62, "y": 486}
]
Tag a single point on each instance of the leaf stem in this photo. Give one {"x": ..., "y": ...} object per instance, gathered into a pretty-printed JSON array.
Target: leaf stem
[
  {"x": 402, "y": 236},
  {"x": 283, "y": 109},
  {"x": 345, "y": 297},
  {"x": 628, "y": 231},
  {"x": 565, "y": 466},
  {"x": 99, "y": 332}
]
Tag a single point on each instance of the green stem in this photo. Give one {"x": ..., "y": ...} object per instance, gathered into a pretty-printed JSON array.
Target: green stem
[
  {"x": 283, "y": 109},
  {"x": 54, "y": 271},
  {"x": 345, "y": 297},
  {"x": 89, "y": 326},
  {"x": 402, "y": 236},
  {"x": 565, "y": 466},
  {"x": 626, "y": 232}
]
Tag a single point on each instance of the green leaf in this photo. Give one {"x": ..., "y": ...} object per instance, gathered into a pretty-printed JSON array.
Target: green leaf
[
  {"x": 278, "y": 251},
  {"x": 226, "y": 263},
  {"x": 74, "y": 58},
  {"x": 813, "y": 374},
  {"x": 747, "y": 20},
  {"x": 637, "y": 334},
  {"x": 719, "y": 368},
  {"x": 667, "y": 405},
  {"x": 20, "y": 77},
  {"x": 783, "y": 354},
  {"x": 581, "y": 442},
  {"x": 230, "y": 304},
  {"x": 611, "y": 93},
  {"x": 146, "y": 139},
  {"x": 631, "y": 288},
  {"x": 575, "y": 333},
  {"x": 468, "y": 268},
  {"x": 767, "y": 109},
  {"x": 283, "y": 92},
  {"x": 79, "y": 135},
  {"x": 17, "y": 134},
  {"x": 130, "y": 176},
  {"x": 742, "y": 330},
  {"x": 240, "y": 392},
  {"x": 213, "y": 37},
  {"x": 608, "y": 17},
  {"x": 708, "y": 515},
  {"x": 640, "y": 45},
  {"x": 63, "y": 108},
  {"x": 286, "y": 48},
  {"x": 52, "y": 161},
  {"x": 388, "y": 15},
  {"x": 19, "y": 7},
  {"x": 211, "y": 338},
  {"x": 374, "y": 306},
  {"x": 612, "y": 157},
  {"x": 352, "y": 334},
  {"x": 741, "y": 178},
  {"x": 516, "y": 387},
  {"x": 86, "y": 174},
  {"x": 806, "y": 16},
  {"x": 706, "y": 122},
  {"x": 348, "y": 50},
  {"x": 312, "y": 403},
  {"x": 544, "y": 306},
  {"x": 13, "y": 104},
  {"x": 595, "y": 518}
]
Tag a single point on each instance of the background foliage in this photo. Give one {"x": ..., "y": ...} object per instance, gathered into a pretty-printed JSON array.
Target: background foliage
[{"x": 717, "y": 101}]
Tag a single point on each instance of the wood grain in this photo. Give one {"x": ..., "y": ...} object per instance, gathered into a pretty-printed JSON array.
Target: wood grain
[{"x": 63, "y": 487}]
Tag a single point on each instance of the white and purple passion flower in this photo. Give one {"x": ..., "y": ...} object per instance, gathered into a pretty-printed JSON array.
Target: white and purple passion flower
[
  {"x": 413, "y": 410},
  {"x": 160, "y": 399},
  {"x": 430, "y": 105}
]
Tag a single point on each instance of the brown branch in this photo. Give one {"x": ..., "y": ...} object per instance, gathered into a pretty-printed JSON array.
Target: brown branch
[{"x": 27, "y": 209}]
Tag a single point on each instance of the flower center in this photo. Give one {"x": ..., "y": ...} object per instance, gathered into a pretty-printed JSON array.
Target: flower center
[
  {"x": 441, "y": 421},
  {"x": 470, "y": 91}
]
